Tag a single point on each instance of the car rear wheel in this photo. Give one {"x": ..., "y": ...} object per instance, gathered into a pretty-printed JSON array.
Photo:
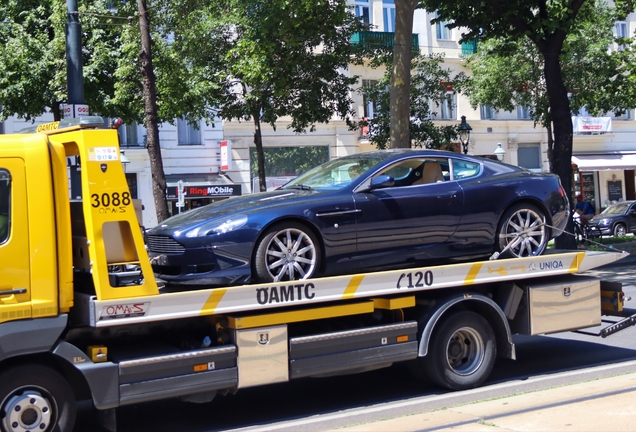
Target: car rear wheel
[
  {"x": 287, "y": 251},
  {"x": 620, "y": 230},
  {"x": 522, "y": 232}
]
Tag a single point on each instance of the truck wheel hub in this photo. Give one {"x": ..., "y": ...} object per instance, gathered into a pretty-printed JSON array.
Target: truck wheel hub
[{"x": 27, "y": 412}]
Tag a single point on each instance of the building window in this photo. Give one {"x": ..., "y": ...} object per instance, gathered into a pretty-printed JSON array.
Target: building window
[
  {"x": 621, "y": 32},
  {"x": 487, "y": 112},
  {"x": 188, "y": 134},
  {"x": 529, "y": 156},
  {"x": 443, "y": 32},
  {"x": 362, "y": 12},
  {"x": 523, "y": 113},
  {"x": 448, "y": 107},
  {"x": 130, "y": 136},
  {"x": 370, "y": 106},
  {"x": 388, "y": 14}
]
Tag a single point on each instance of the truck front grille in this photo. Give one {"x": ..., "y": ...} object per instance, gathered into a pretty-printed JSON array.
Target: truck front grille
[{"x": 163, "y": 244}]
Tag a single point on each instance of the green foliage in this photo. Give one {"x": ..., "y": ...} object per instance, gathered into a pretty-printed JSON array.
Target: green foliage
[
  {"x": 285, "y": 58},
  {"x": 33, "y": 49},
  {"x": 290, "y": 161},
  {"x": 426, "y": 98},
  {"x": 507, "y": 73}
]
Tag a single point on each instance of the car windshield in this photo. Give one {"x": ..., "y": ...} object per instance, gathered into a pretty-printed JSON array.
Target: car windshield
[
  {"x": 615, "y": 209},
  {"x": 334, "y": 174}
]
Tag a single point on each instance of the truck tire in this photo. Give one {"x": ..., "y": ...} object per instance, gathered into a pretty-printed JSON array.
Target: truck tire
[
  {"x": 34, "y": 397},
  {"x": 287, "y": 251},
  {"x": 462, "y": 351}
]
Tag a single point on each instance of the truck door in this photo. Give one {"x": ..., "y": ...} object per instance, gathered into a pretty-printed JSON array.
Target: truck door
[{"x": 15, "y": 290}]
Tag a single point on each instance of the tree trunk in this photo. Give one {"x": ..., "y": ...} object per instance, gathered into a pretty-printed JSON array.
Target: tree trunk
[
  {"x": 561, "y": 162},
  {"x": 152, "y": 120},
  {"x": 260, "y": 156},
  {"x": 401, "y": 74}
]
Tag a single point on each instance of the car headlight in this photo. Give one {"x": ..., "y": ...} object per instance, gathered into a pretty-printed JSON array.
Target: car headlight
[{"x": 217, "y": 227}]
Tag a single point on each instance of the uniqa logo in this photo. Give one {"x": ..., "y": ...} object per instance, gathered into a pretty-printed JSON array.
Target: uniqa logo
[{"x": 550, "y": 265}]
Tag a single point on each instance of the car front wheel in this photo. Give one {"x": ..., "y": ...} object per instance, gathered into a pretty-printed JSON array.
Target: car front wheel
[
  {"x": 287, "y": 251},
  {"x": 620, "y": 230},
  {"x": 522, "y": 232}
]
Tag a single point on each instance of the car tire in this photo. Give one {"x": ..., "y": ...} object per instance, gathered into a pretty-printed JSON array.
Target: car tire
[
  {"x": 619, "y": 230},
  {"x": 462, "y": 351},
  {"x": 522, "y": 232},
  {"x": 35, "y": 397},
  {"x": 287, "y": 251}
]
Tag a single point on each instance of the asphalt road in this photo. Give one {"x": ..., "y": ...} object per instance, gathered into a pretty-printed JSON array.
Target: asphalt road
[{"x": 328, "y": 403}]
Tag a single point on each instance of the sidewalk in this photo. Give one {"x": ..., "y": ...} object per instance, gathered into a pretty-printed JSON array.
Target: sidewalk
[{"x": 607, "y": 404}]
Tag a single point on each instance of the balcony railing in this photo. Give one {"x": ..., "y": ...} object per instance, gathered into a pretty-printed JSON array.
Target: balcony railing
[
  {"x": 380, "y": 40},
  {"x": 469, "y": 48}
]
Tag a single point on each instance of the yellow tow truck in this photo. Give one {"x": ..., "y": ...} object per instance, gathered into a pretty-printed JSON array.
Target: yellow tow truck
[{"x": 83, "y": 318}]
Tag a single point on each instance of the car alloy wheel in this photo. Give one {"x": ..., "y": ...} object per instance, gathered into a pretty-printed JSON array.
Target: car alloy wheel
[
  {"x": 523, "y": 232},
  {"x": 287, "y": 252}
]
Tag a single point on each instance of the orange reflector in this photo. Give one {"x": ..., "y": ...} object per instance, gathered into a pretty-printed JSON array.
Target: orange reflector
[
  {"x": 201, "y": 367},
  {"x": 404, "y": 338}
]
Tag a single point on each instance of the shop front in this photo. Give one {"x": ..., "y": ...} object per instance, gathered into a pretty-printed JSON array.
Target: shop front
[
  {"x": 603, "y": 179},
  {"x": 198, "y": 190}
]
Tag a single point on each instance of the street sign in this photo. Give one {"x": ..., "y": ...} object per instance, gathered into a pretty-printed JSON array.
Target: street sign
[{"x": 180, "y": 195}]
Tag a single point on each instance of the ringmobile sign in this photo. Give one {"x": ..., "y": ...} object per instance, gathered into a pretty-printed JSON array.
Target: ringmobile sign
[{"x": 206, "y": 191}]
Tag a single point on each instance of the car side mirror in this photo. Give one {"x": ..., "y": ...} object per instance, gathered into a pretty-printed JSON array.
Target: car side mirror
[{"x": 382, "y": 181}]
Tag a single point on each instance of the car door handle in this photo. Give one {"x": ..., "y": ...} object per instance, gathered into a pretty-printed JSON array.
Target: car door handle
[
  {"x": 338, "y": 213},
  {"x": 13, "y": 291}
]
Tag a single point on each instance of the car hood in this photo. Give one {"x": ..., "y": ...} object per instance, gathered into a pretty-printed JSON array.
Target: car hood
[{"x": 222, "y": 210}]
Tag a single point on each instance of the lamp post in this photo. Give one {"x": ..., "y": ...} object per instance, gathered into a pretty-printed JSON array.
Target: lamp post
[
  {"x": 464, "y": 134},
  {"x": 499, "y": 152}
]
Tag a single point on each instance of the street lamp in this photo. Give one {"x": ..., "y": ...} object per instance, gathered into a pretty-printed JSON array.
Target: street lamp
[
  {"x": 464, "y": 134},
  {"x": 499, "y": 152}
]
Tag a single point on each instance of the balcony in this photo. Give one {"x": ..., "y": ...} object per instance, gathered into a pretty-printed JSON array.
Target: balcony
[
  {"x": 380, "y": 40},
  {"x": 469, "y": 48}
]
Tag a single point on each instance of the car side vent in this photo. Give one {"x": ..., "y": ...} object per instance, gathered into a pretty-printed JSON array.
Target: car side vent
[{"x": 163, "y": 244}]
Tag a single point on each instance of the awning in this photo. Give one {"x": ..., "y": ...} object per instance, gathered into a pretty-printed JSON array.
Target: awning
[
  {"x": 605, "y": 162},
  {"x": 201, "y": 186}
]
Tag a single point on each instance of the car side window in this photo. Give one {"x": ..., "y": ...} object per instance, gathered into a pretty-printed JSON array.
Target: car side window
[
  {"x": 5, "y": 205},
  {"x": 465, "y": 169},
  {"x": 418, "y": 171}
]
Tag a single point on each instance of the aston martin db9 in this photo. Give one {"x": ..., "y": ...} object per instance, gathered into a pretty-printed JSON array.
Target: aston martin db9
[{"x": 369, "y": 211}]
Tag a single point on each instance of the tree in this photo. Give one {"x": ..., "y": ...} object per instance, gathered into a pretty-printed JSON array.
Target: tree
[
  {"x": 32, "y": 47},
  {"x": 546, "y": 24},
  {"x": 506, "y": 74},
  {"x": 428, "y": 91},
  {"x": 271, "y": 59},
  {"x": 401, "y": 73}
]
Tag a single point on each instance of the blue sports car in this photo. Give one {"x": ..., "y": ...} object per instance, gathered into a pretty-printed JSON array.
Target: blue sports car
[{"x": 369, "y": 211}]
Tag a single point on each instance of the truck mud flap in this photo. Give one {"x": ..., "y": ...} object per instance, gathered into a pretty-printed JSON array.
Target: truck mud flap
[
  {"x": 354, "y": 350},
  {"x": 179, "y": 374}
]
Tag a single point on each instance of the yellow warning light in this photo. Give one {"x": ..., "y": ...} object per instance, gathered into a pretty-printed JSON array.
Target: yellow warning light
[
  {"x": 404, "y": 338},
  {"x": 98, "y": 353}
]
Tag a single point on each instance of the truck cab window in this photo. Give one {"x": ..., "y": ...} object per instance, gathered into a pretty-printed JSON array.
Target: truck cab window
[{"x": 5, "y": 201}]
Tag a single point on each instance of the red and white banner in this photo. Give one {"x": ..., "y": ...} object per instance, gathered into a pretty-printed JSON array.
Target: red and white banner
[
  {"x": 592, "y": 124},
  {"x": 226, "y": 160}
]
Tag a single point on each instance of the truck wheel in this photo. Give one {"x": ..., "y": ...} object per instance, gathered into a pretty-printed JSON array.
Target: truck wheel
[
  {"x": 35, "y": 398},
  {"x": 522, "y": 232},
  {"x": 462, "y": 351},
  {"x": 287, "y": 251}
]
